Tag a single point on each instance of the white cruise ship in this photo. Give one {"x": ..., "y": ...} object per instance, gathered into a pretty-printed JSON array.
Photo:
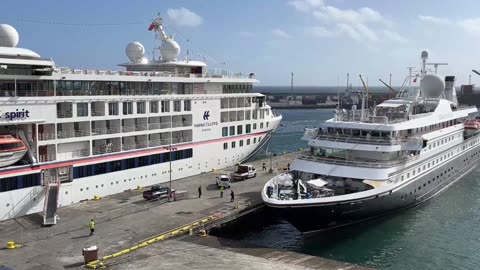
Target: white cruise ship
[
  {"x": 366, "y": 163},
  {"x": 67, "y": 135}
]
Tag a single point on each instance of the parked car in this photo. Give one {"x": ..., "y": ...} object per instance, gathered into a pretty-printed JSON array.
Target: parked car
[
  {"x": 244, "y": 172},
  {"x": 223, "y": 180},
  {"x": 156, "y": 192}
]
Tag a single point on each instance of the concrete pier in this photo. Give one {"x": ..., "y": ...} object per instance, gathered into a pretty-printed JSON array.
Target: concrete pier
[{"x": 125, "y": 220}]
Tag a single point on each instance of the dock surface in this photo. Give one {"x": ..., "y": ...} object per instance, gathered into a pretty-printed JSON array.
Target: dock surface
[{"x": 126, "y": 219}]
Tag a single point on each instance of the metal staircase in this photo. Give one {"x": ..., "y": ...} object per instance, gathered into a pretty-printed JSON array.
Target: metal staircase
[{"x": 52, "y": 191}]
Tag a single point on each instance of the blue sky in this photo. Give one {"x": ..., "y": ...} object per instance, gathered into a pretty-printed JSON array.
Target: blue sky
[{"x": 317, "y": 40}]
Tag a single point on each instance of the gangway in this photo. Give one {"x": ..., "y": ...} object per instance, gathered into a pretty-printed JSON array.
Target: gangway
[{"x": 52, "y": 191}]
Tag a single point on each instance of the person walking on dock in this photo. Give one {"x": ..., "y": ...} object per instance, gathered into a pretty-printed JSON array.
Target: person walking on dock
[
  {"x": 199, "y": 192},
  {"x": 91, "y": 224},
  {"x": 221, "y": 191},
  {"x": 232, "y": 196},
  {"x": 263, "y": 166},
  {"x": 288, "y": 166}
]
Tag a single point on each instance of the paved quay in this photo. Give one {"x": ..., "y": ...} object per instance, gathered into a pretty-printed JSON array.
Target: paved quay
[{"x": 124, "y": 220}]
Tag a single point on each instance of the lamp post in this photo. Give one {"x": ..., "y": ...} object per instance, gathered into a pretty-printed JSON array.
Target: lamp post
[{"x": 170, "y": 163}]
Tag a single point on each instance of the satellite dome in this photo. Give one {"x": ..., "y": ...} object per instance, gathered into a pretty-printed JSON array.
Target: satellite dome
[
  {"x": 424, "y": 54},
  {"x": 135, "y": 51},
  {"x": 169, "y": 50},
  {"x": 432, "y": 85},
  {"x": 8, "y": 36}
]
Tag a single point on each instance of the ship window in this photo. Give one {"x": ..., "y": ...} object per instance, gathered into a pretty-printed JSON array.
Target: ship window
[
  {"x": 232, "y": 130},
  {"x": 225, "y": 146},
  {"x": 248, "y": 128},
  {"x": 113, "y": 108},
  {"x": 165, "y": 105},
  {"x": 141, "y": 107},
  {"x": 153, "y": 106},
  {"x": 408, "y": 175},
  {"x": 254, "y": 140},
  {"x": 267, "y": 124},
  {"x": 255, "y": 126},
  {"x": 82, "y": 109},
  {"x": 187, "y": 105},
  {"x": 261, "y": 125},
  {"x": 127, "y": 108},
  {"x": 247, "y": 114},
  {"x": 31, "y": 180},
  {"x": 177, "y": 106},
  {"x": 402, "y": 177},
  {"x": 224, "y": 131},
  {"x": 239, "y": 130},
  {"x": 233, "y": 144},
  {"x": 248, "y": 141},
  {"x": 241, "y": 143}
]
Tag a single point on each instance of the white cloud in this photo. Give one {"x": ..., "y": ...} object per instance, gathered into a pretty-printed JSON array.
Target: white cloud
[
  {"x": 280, "y": 33},
  {"x": 471, "y": 26},
  {"x": 246, "y": 34},
  {"x": 364, "y": 24},
  {"x": 184, "y": 17},
  {"x": 320, "y": 31},
  {"x": 432, "y": 19},
  {"x": 306, "y": 5},
  {"x": 394, "y": 36}
]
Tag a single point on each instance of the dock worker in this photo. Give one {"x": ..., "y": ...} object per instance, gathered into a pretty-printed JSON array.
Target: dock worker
[
  {"x": 288, "y": 166},
  {"x": 263, "y": 166},
  {"x": 221, "y": 191},
  {"x": 199, "y": 192},
  {"x": 232, "y": 196},
  {"x": 91, "y": 224}
]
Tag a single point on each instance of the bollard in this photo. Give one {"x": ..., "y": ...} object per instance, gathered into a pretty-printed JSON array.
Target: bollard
[
  {"x": 96, "y": 197},
  {"x": 203, "y": 233},
  {"x": 11, "y": 245},
  {"x": 213, "y": 170},
  {"x": 139, "y": 187}
]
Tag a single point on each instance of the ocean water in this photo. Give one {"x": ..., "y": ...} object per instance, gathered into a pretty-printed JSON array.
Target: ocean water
[{"x": 443, "y": 233}]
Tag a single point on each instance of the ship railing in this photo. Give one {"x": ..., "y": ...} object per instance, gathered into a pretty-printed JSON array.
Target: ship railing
[
  {"x": 46, "y": 136},
  {"x": 154, "y": 126},
  {"x": 105, "y": 149},
  {"x": 360, "y": 139},
  {"x": 113, "y": 130},
  {"x": 64, "y": 114},
  {"x": 73, "y": 154},
  {"x": 72, "y": 133},
  {"x": 153, "y": 143},
  {"x": 181, "y": 124},
  {"x": 98, "y": 112},
  {"x": 133, "y": 146},
  {"x": 181, "y": 140},
  {"x": 128, "y": 128},
  {"x": 46, "y": 158},
  {"x": 165, "y": 125},
  {"x": 32, "y": 93},
  {"x": 141, "y": 127},
  {"x": 81, "y": 133},
  {"x": 359, "y": 162},
  {"x": 99, "y": 131}
]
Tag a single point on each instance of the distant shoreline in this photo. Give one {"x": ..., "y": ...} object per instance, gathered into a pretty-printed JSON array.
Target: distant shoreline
[{"x": 306, "y": 106}]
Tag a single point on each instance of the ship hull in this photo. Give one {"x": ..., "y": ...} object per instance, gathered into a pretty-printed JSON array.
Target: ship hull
[{"x": 318, "y": 217}]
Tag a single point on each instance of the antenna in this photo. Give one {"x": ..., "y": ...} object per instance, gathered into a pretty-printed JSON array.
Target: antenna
[
  {"x": 188, "y": 51},
  {"x": 338, "y": 92},
  {"x": 362, "y": 115},
  {"x": 291, "y": 84},
  {"x": 435, "y": 65},
  {"x": 470, "y": 79},
  {"x": 390, "y": 80}
]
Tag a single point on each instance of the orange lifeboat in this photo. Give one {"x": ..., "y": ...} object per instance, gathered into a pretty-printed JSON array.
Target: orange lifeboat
[{"x": 11, "y": 150}]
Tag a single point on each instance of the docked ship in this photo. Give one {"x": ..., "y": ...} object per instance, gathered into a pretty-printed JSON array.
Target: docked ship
[
  {"x": 67, "y": 135},
  {"x": 367, "y": 163}
]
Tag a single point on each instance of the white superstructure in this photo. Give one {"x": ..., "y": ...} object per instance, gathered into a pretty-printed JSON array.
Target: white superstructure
[
  {"x": 100, "y": 132},
  {"x": 371, "y": 161}
]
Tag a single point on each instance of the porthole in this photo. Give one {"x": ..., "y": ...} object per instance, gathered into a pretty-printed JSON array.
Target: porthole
[
  {"x": 111, "y": 183},
  {"x": 116, "y": 182},
  {"x": 81, "y": 189},
  {"x": 102, "y": 185},
  {"x": 124, "y": 180},
  {"x": 8, "y": 204},
  {"x": 87, "y": 188},
  {"x": 66, "y": 192},
  {"x": 96, "y": 186}
]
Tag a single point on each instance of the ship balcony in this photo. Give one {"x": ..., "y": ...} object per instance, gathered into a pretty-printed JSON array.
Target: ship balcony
[
  {"x": 98, "y": 113},
  {"x": 105, "y": 149},
  {"x": 141, "y": 127},
  {"x": 72, "y": 134},
  {"x": 358, "y": 162},
  {"x": 46, "y": 136},
  {"x": 46, "y": 158},
  {"x": 181, "y": 121},
  {"x": 154, "y": 143},
  {"x": 133, "y": 146},
  {"x": 73, "y": 154}
]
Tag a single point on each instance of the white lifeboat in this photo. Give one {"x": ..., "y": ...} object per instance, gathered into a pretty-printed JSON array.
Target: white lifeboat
[{"x": 11, "y": 150}]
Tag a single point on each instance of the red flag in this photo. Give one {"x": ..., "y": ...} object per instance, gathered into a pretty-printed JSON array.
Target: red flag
[
  {"x": 152, "y": 26},
  {"x": 415, "y": 80}
]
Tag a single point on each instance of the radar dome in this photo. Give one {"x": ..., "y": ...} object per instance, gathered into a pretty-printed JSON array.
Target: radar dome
[
  {"x": 169, "y": 50},
  {"x": 432, "y": 85},
  {"x": 135, "y": 51},
  {"x": 424, "y": 54},
  {"x": 8, "y": 36}
]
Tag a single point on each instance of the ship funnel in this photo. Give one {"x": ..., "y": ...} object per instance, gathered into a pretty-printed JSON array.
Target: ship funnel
[{"x": 450, "y": 93}]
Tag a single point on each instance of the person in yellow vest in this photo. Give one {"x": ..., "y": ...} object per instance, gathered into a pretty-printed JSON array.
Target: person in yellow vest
[
  {"x": 91, "y": 224},
  {"x": 221, "y": 191}
]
